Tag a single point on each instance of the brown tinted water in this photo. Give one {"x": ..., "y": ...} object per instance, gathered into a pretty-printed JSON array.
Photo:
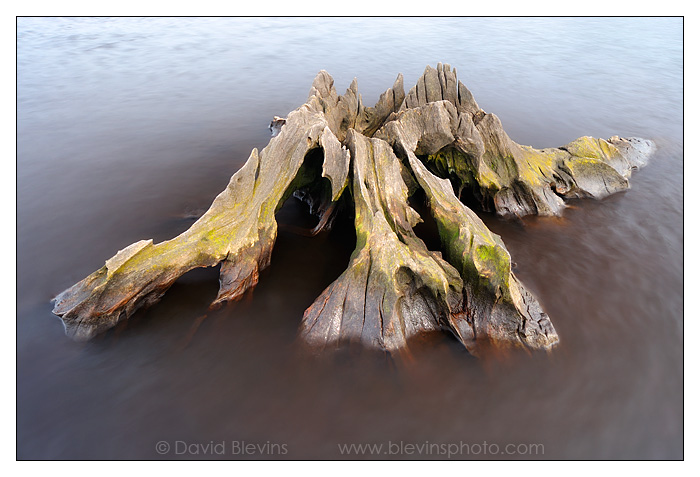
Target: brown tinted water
[{"x": 126, "y": 127}]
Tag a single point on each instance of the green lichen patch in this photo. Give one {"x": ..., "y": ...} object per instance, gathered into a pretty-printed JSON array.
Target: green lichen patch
[
  {"x": 493, "y": 265},
  {"x": 591, "y": 147}
]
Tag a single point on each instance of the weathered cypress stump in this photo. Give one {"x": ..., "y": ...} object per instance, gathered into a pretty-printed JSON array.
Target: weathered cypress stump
[{"x": 334, "y": 149}]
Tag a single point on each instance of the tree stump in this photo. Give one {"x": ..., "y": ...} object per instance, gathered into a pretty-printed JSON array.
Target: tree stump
[{"x": 334, "y": 150}]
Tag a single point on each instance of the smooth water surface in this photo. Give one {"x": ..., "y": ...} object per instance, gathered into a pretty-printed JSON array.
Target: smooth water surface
[{"x": 127, "y": 127}]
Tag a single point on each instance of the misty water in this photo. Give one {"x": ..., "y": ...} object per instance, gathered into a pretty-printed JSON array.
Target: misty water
[{"x": 129, "y": 127}]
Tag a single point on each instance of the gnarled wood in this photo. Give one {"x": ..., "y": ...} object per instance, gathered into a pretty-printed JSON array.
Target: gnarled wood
[
  {"x": 394, "y": 286},
  {"x": 237, "y": 231},
  {"x": 436, "y": 139},
  {"x": 518, "y": 180}
]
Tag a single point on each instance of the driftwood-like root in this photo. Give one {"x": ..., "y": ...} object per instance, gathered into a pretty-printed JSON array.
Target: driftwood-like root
[{"x": 435, "y": 139}]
